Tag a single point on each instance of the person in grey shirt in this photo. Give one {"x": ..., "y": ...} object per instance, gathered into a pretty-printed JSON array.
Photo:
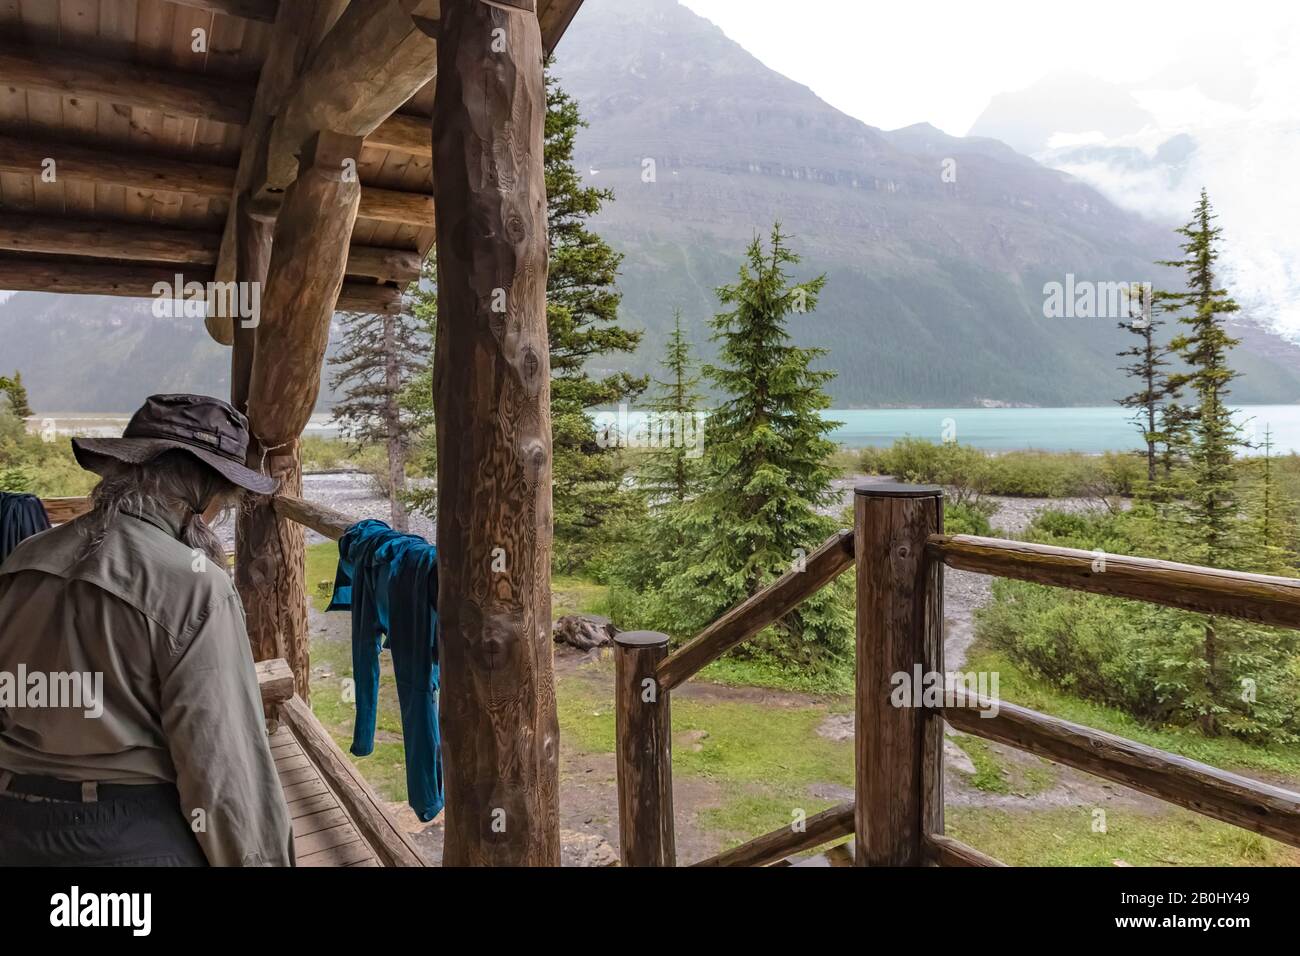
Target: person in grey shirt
[{"x": 132, "y": 730}]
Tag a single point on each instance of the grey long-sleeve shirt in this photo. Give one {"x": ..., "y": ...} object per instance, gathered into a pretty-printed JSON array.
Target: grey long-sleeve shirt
[{"x": 180, "y": 702}]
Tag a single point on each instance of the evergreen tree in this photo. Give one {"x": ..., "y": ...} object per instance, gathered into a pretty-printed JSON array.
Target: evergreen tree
[
  {"x": 416, "y": 399},
  {"x": 1270, "y": 516},
  {"x": 582, "y": 323},
  {"x": 17, "y": 394},
  {"x": 1210, "y": 509},
  {"x": 1148, "y": 360},
  {"x": 378, "y": 357},
  {"x": 669, "y": 472},
  {"x": 758, "y": 512}
]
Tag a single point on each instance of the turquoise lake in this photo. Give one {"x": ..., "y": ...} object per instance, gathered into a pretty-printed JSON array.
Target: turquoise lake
[{"x": 1091, "y": 430}]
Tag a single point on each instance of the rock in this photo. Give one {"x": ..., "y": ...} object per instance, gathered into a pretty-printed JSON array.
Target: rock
[
  {"x": 958, "y": 759},
  {"x": 692, "y": 739},
  {"x": 586, "y": 849},
  {"x": 584, "y": 631},
  {"x": 836, "y": 727}
]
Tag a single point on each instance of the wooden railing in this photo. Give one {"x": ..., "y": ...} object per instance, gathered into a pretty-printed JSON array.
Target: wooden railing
[{"x": 896, "y": 817}]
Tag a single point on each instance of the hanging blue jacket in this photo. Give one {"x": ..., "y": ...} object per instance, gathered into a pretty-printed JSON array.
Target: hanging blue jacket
[
  {"x": 389, "y": 580},
  {"x": 21, "y": 516}
]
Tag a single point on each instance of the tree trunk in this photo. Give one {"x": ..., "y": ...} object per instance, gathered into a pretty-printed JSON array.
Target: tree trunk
[
  {"x": 308, "y": 255},
  {"x": 393, "y": 428},
  {"x": 492, "y": 398}
]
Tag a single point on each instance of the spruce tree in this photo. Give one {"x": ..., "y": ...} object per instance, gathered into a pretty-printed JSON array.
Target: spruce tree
[
  {"x": 767, "y": 479},
  {"x": 378, "y": 357},
  {"x": 582, "y": 323},
  {"x": 1210, "y": 509},
  {"x": 1148, "y": 360},
  {"x": 17, "y": 394},
  {"x": 669, "y": 471}
]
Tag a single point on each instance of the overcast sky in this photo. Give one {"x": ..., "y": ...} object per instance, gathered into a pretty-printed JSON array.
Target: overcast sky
[{"x": 897, "y": 63}]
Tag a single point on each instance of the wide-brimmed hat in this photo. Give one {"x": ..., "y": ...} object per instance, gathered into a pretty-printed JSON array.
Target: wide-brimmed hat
[{"x": 213, "y": 431}]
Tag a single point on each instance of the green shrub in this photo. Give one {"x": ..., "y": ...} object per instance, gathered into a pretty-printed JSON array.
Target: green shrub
[
  {"x": 967, "y": 471},
  {"x": 969, "y": 517},
  {"x": 1144, "y": 659}
]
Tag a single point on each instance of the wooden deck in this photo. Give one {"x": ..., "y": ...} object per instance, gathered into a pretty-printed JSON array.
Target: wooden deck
[{"x": 323, "y": 834}]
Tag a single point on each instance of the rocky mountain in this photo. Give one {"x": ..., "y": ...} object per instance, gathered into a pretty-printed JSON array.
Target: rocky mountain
[{"x": 937, "y": 248}]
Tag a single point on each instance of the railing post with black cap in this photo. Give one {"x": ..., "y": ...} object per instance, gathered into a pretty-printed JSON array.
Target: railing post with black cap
[{"x": 643, "y": 727}]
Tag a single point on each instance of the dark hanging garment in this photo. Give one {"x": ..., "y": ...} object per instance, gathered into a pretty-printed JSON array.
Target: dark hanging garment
[
  {"x": 389, "y": 580},
  {"x": 21, "y": 516}
]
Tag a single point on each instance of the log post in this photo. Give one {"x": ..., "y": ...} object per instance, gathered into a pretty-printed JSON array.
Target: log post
[
  {"x": 898, "y": 744},
  {"x": 253, "y": 256},
  {"x": 492, "y": 398},
  {"x": 303, "y": 279},
  {"x": 643, "y": 729}
]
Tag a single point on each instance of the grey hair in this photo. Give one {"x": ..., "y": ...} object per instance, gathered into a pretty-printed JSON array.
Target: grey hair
[{"x": 175, "y": 482}]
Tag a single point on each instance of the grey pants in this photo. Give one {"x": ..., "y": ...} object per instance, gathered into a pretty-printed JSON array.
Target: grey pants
[{"x": 143, "y": 828}]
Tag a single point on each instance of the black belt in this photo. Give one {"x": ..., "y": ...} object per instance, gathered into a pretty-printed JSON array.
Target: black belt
[{"x": 73, "y": 791}]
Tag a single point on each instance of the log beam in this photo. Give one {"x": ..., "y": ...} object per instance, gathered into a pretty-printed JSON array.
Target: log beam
[
  {"x": 114, "y": 166},
  {"x": 102, "y": 239},
  {"x": 76, "y": 277},
  {"x": 492, "y": 395},
  {"x": 65, "y": 72},
  {"x": 371, "y": 61},
  {"x": 298, "y": 27},
  {"x": 303, "y": 280},
  {"x": 403, "y": 134},
  {"x": 99, "y": 239},
  {"x": 263, "y": 10}
]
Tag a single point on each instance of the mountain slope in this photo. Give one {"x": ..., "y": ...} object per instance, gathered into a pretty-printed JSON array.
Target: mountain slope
[
  {"x": 935, "y": 292},
  {"x": 935, "y": 289}
]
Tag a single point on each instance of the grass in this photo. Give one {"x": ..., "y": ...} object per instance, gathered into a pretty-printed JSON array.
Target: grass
[
  {"x": 385, "y": 768},
  {"x": 1068, "y": 837},
  {"x": 322, "y": 563},
  {"x": 1019, "y": 687},
  {"x": 766, "y": 758}
]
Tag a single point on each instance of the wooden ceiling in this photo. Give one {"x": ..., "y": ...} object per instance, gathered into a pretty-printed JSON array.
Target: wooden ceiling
[{"x": 125, "y": 133}]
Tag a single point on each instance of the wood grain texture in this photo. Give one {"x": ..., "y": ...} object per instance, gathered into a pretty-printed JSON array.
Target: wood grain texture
[
  {"x": 767, "y": 606},
  {"x": 1261, "y": 598},
  {"x": 322, "y": 520},
  {"x": 779, "y": 844},
  {"x": 263, "y": 10},
  {"x": 298, "y": 300},
  {"x": 372, "y": 60},
  {"x": 275, "y": 681},
  {"x": 1232, "y": 798},
  {"x": 74, "y": 73},
  {"x": 45, "y": 235},
  {"x": 492, "y": 396},
  {"x": 81, "y": 277},
  {"x": 403, "y": 134},
  {"x": 60, "y": 510},
  {"x": 643, "y": 731},
  {"x": 940, "y": 850},
  {"x": 298, "y": 27},
  {"x": 899, "y": 627},
  {"x": 364, "y": 808},
  {"x": 253, "y": 244},
  {"x": 120, "y": 166}
]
